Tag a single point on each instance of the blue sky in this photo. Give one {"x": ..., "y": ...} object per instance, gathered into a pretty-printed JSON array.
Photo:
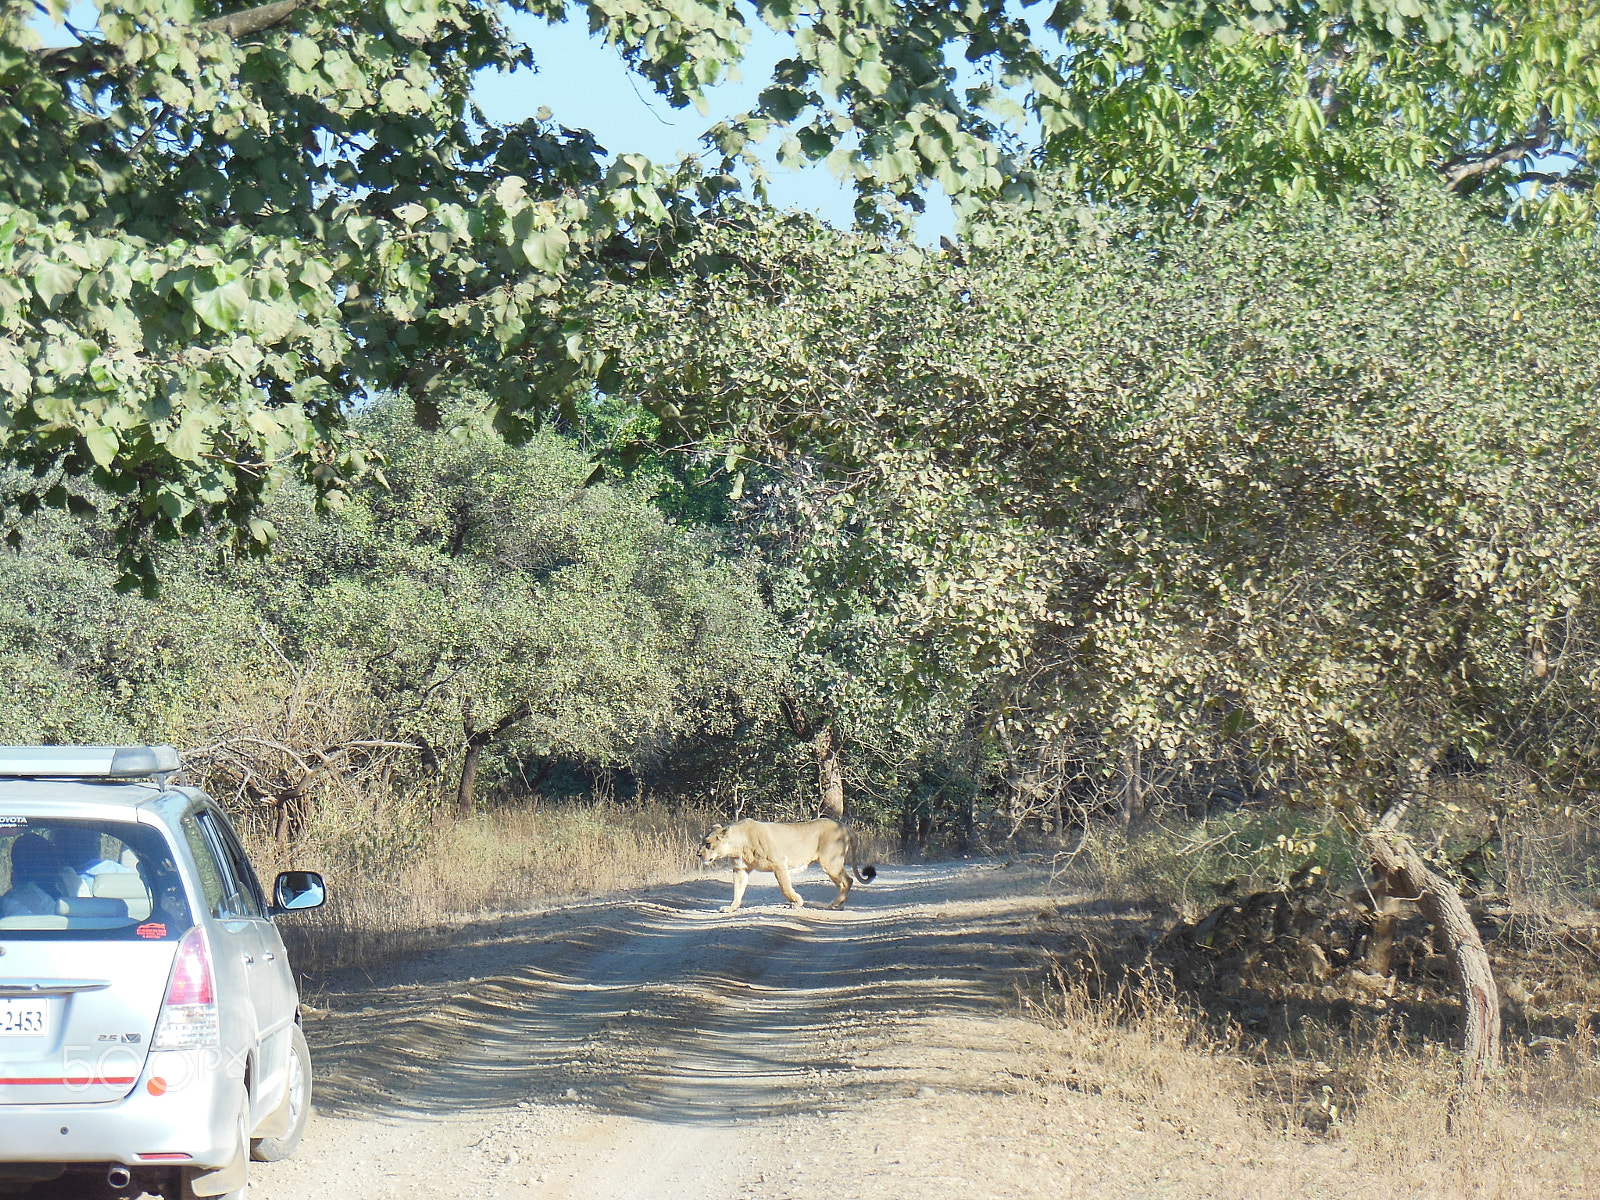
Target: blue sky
[{"x": 587, "y": 86}]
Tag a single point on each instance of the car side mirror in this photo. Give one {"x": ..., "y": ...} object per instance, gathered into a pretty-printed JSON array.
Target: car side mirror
[{"x": 298, "y": 891}]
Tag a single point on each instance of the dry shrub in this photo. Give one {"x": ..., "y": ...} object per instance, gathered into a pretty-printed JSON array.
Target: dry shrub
[
  {"x": 401, "y": 881},
  {"x": 1182, "y": 866},
  {"x": 1533, "y": 1134},
  {"x": 1147, "y": 869},
  {"x": 297, "y": 739},
  {"x": 298, "y": 760},
  {"x": 1130, "y": 1030},
  {"x": 1550, "y": 875},
  {"x": 874, "y": 844}
]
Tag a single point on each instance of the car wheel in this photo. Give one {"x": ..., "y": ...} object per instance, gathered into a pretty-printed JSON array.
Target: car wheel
[{"x": 299, "y": 1100}]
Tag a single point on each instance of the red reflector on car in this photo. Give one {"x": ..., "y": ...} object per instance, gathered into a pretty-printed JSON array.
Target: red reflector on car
[
  {"x": 163, "y": 1157},
  {"x": 62, "y": 1081},
  {"x": 157, "y": 1086}
]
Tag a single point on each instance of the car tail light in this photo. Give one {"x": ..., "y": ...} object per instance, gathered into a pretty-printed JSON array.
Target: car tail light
[{"x": 189, "y": 1013}]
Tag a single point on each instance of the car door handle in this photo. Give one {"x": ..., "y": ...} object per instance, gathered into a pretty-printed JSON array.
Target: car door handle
[
  {"x": 249, "y": 959},
  {"x": 271, "y": 957}
]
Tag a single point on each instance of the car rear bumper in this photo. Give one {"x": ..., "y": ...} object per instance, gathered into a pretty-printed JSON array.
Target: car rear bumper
[{"x": 193, "y": 1121}]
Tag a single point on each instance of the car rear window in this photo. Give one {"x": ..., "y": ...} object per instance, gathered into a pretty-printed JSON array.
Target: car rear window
[{"x": 88, "y": 880}]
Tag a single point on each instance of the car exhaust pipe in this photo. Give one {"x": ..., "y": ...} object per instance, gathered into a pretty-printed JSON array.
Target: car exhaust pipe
[{"x": 118, "y": 1177}]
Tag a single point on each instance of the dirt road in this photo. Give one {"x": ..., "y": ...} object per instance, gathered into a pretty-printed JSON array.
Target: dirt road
[{"x": 648, "y": 1048}]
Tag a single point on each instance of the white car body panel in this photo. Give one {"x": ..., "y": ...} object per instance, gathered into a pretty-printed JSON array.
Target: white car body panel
[{"x": 91, "y": 1089}]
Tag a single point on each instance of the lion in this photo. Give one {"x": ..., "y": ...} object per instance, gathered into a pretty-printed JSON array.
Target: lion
[{"x": 781, "y": 847}]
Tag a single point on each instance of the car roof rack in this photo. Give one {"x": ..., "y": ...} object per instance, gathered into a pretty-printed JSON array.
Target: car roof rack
[{"x": 88, "y": 762}]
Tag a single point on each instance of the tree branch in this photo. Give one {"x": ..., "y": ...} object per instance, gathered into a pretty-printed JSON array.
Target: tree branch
[
  {"x": 802, "y": 726},
  {"x": 233, "y": 25},
  {"x": 1465, "y": 172},
  {"x": 485, "y": 736},
  {"x": 1571, "y": 179},
  {"x": 253, "y": 20}
]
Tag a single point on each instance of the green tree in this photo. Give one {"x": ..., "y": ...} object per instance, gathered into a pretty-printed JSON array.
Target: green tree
[
  {"x": 89, "y": 666},
  {"x": 498, "y": 606},
  {"x": 1210, "y": 105},
  {"x": 870, "y": 704},
  {"x": 870, "y": 709},
  {"x": 221, "y": 227},
  {"x": 1314, "y": 485},
  {"x": 489, "y": 612}
]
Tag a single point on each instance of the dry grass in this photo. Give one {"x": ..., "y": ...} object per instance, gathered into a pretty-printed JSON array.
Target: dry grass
[
  {"x": 1178, "y": 866},
  {"x": 1338, "y": 1084},
  {"x": 399, "y": 883},
  {"x": 1536, "y": 1134}
]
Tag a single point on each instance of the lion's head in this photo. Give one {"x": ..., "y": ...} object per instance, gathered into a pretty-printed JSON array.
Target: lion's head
[{"x": 716, "y": 844}]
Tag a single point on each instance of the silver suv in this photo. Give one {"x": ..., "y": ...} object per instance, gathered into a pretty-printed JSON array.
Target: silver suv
[{"x": 149, "y": 1022}]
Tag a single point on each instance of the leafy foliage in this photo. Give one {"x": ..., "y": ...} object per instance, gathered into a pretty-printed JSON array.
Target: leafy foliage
[
  {"x": 492, "y": 591},
  {"x": 222, "y": 228},
  {"x": 1205, "y": 106},
  {"x": 1306, "y": 493}
]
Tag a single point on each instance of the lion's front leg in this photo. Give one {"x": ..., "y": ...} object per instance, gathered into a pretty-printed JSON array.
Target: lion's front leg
[
  {"x": 741, "y": 878},
  {"x": 781, "y": 870}
]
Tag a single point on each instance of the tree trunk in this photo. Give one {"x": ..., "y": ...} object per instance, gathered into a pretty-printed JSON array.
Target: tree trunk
[
  {"x": 830, "y": 775},
  {"x": 1407, "y": 875},
  {"x": 1387, "y": 909},
  {"x": 825, "y": 746},
  {"x": 477, "y": 742},
  {"x": 467, "y": 787},
  {"x": 1132, "y": 784},
  {"x": 288, "y": 817},
  {"x": 533, "y": 784},
  {"x": 1378, "y": 956},
  {"x": 1014, "y": 779},
  {"x": 280, "y": 824},
  {"x": 908, "y": 820}
]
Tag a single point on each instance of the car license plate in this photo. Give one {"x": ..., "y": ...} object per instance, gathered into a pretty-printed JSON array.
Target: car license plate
[{"x": 24, "y": 1018}]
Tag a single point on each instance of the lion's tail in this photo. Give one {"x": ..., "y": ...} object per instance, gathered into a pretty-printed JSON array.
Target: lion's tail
[{"x": 864, "y": 874}]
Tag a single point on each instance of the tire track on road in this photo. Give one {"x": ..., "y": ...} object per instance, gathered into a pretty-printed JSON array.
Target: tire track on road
[{"x": 639, "y": 1046}]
